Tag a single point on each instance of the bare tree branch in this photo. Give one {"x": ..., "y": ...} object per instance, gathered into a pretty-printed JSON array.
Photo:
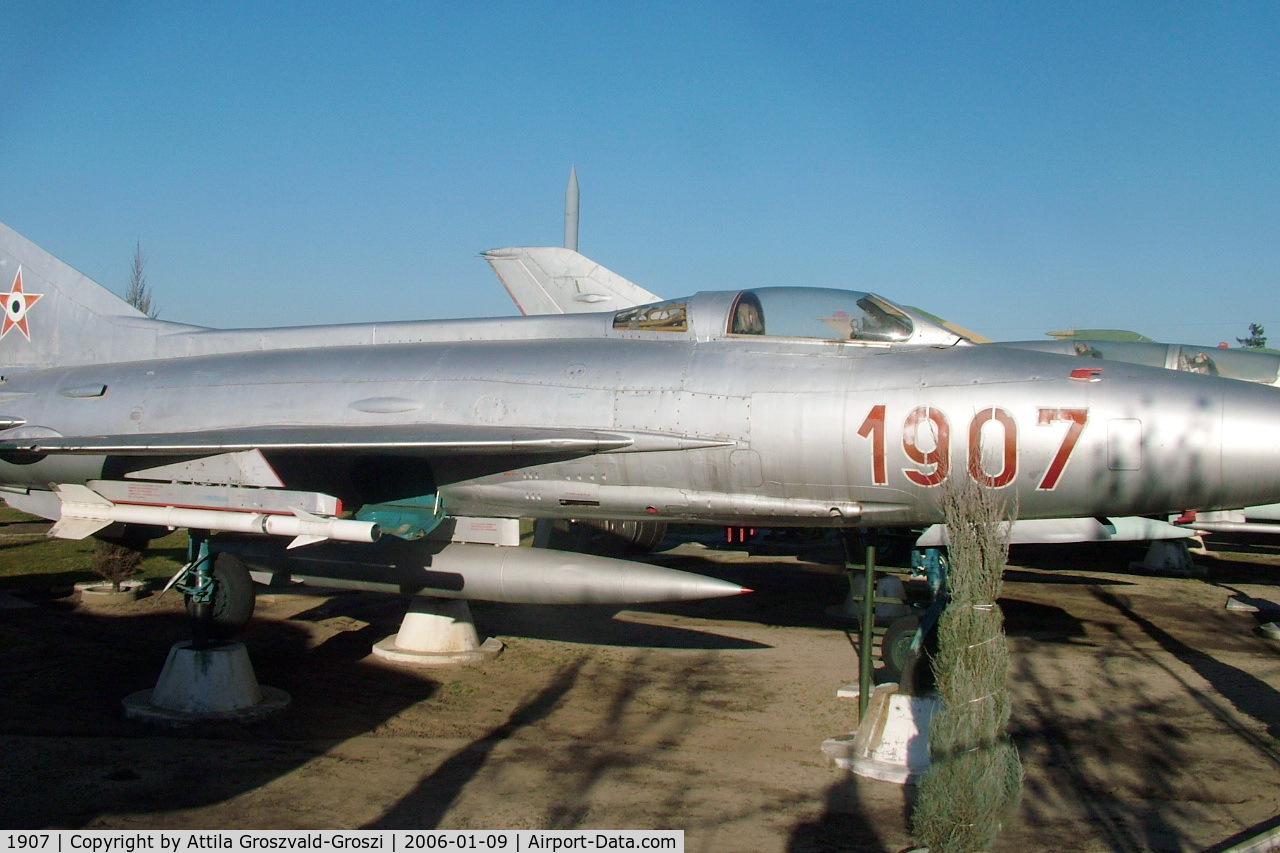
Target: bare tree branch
[{"x": 138, "y": 294}]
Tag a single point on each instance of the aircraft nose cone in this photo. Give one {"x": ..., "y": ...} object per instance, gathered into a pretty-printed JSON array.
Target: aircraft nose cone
[
  {"x": 1250, "y": 445},
  {"x": 1170, "y": 442}
]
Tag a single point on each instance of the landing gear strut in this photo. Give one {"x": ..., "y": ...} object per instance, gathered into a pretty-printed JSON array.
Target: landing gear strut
[
  {"x": 910, "y": 638},
  {"x": 217, "y": 589},
  {"x": 208, "y": 678}
]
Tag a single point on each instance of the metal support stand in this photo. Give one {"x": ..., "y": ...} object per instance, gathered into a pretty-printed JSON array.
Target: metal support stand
[
  {"x": 891, "y": 742},
  {"x": 866, "y": 649}
]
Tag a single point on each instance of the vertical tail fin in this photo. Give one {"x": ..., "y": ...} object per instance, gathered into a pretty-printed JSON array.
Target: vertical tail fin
[
  {"x": 54, "y": 315},
  {"x": 553, "y": 280}
]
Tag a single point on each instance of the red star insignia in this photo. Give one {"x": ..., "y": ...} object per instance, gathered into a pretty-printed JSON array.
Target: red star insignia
[{"x": 16, "y": 306}]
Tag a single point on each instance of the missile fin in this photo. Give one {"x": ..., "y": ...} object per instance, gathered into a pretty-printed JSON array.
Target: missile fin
[
  {"x": 81, "y": 508},
  {"x": 76, "y": 528},
  {"x": 74, "y": 493},
  {"x": 306, "y": 538}
]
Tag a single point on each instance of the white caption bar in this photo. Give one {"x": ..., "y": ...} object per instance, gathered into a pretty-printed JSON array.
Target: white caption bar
[{"x": 387, "y": 841}]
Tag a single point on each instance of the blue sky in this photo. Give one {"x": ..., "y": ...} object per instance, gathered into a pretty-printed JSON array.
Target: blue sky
[{"x": 1015, "y": 167}]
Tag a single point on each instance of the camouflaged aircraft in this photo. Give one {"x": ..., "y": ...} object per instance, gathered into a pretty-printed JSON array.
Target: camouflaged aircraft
[{"x": 398, "y": 455}]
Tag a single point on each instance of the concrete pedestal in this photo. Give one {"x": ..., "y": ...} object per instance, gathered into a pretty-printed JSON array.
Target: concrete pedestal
[
  {"x": 437, "y": 632},
  {"x": 1169, "y": 557},
  {"x": 892, "y": 740},
  {"x": 212, "y": 683},
  {"x": 103, "y": 594}
]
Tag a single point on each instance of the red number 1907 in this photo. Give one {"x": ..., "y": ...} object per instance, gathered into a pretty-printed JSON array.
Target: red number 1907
[{"x": 924, "y": 426}]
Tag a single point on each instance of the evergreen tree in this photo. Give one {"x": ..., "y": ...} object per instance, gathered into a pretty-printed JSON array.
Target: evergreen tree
[
  {"x": 1257, "y": 337},
  {"x": 975, "y": 779}
]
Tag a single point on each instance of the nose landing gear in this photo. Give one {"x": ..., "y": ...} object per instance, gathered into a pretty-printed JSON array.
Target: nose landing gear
[
  {"x": 218, "y": 591},
  {"x": 209, "y": 677}
]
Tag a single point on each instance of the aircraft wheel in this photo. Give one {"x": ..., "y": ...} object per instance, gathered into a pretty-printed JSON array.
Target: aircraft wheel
[
  {"x": 607, "y": 536},
  {"x": 895, "y": 647},
  {"x": 233, "y": 599},
  {"x": 643, "y": 536}
]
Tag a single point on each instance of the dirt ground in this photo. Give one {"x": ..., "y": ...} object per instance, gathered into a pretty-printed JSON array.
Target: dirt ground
[{"x": 1146, "y": 714}]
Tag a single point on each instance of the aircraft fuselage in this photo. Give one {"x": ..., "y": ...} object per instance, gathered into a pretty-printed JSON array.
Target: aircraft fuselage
[{"x": 779, "y": 430}]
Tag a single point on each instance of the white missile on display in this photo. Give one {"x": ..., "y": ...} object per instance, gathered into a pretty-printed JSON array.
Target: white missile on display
[
  {"x": 513, "y": 575},
  {"x": 85, "y": 512},
  {"x": 544, "y": 576}
]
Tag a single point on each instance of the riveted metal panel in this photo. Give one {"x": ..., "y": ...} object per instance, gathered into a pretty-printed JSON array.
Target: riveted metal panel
[
  {"x": 801, "y": 439},
  {"x": 745, "y": 470},
  {"x": 706, "y": 415}
]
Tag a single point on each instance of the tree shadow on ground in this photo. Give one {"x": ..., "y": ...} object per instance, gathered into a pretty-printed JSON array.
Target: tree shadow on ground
[
  {"x": 594, "y": 730},
  {"x": 1246, "y": 693},
  {"x": 426, "y": 805},
  {"x": 64, "y": 673},
  {"x": 1118, "y": 749}
]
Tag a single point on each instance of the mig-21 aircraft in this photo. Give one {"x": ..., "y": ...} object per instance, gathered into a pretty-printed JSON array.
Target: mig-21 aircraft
[{"x": 379, "y": 455}]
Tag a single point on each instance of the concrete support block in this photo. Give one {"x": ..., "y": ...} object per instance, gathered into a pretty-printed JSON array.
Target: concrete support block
[
  {"x": 216, "y": 682},
  {"x": 892, "y": 740},
  {"x": 1169, "y": 557},
  {"x": 437, "y": 632},
  {"x": 103, "y": 594}
]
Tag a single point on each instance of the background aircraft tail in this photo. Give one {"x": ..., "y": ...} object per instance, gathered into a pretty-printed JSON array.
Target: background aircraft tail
[
  {"x": 57, "y": 316},
  {"x": 554, "y": 280}
]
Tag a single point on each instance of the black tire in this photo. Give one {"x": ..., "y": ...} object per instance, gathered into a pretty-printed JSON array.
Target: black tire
[
  {"x": 895, "y": 646},
  {"x": 233, "y": 599}
]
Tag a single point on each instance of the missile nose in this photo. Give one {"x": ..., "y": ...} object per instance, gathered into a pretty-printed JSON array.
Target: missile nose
[{"x": 704, "y": 587}]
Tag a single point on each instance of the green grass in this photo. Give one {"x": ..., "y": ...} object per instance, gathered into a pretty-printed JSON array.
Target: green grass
[{"x": 31, "y": 561}]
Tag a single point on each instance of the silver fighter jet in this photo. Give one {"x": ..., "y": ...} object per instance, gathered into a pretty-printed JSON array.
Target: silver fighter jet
[
  {"x": 787, "y": 406},
  {"x": 554, "y": 280}
]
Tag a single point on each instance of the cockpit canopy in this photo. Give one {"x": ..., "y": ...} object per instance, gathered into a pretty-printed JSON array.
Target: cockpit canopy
[{"x": 791, "y": 312}]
